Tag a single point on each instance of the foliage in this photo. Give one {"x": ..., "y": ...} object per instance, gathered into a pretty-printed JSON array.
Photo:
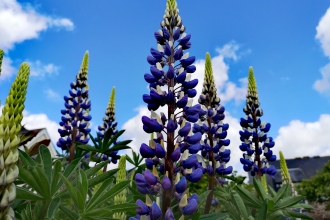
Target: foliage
[
  {"x": 238, "y": 202},
  {"x": 315, "y": 188}
]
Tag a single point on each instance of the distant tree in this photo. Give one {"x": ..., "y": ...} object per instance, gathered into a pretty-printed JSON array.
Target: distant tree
[{"x": 317, "y": 188}]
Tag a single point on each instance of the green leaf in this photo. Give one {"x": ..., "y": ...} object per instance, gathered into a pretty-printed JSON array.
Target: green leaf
[
  {"x": 271, "y": 190},
  {"x": 53, "y": 208},
  {"x": 108, "y": 143},
  {"x": 270, "y": 205},
  {"x": 288, "y": 202},
  {"x": 71, "y": 190},
  {"x": 24, "y": 194},
  {"x": 68, "y": 172},
  {"x": 129, "y": 160},
  {"x": 70, "y": 214},
  {"x": 229, "y": 208},
  {"x": 213, "y": 216},
  {"x": 46, "y": 161},
  {"x": 259, "y": 188},
  {"x": 293, "y": 214},
  {"x": 302, "y": 206},
  {"x": 29, "y": 179},
  {"x": 93, "y": 170},
  {"x": 117, "y": 147},
  {"x": 88, "y": 148},
  {"x": 281, "y": 193},
  {"x": 109, "y": 210},
  {"x": 43, "y": 180},
  {"x": 248, "y": 196},
  {"x": 110, "y": 193},
  {"x": 277, "y": 215},
  {"x": 262, "y": 212},
  {"x": 99, "y": 192},
  {"x": 55, "y": 177},
  {"x": 100, "y": 178},
  {"x": 125, "y": 142},
  {"x": 239, "y": 204},
  {"x": 26, "y": 159},
  {"x": 202, "y": 197},
  {"x": 82, "y": 187}
]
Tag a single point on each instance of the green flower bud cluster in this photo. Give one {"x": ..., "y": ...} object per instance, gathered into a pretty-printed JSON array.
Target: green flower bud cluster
[
  {"x": 286, "y": 179},
  {"x": 209, "y": 93},
  {"x": 10, "y": 126},
  {"x": 121, "y": 197},
  {"x": 252, "y": 94},
  {"x": 1, "y": 57}
]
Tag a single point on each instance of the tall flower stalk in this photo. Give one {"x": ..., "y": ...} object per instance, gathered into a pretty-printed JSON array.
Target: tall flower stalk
[
  {"x": 121, "y": 197},
  {"x": 1, "y": 57},
  {"x": 10, "y": 126},
  {"x": 256, "y": 145},
  {"x": 286, "y": 178},
  {"x": 171, "y": 68},
  {"x": 110, "y": 125},
  {"x": 76, "y": 117},
  {"x": 215, "y": 131}
]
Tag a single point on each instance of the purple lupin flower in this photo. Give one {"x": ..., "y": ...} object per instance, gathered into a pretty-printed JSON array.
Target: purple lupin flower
[
  {"x": 171, "y": 67},
  {"x": 256, "y": 145},
  {"x": 76, "y": 117},
  {"x": 215, "y": 130}
]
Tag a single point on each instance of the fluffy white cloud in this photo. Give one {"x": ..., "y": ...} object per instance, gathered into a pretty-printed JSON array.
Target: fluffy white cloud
[
  {"x": 227, "y": 90},
  {"x": 38, "y": 69},
  {"x": 323, "y": 85},
  {"x": 304, "y": 138},
  {"x": 22, "y": 22},
  {"x": 323, "y": 35},
  {"x": 52, "y": 95},
  {"x": 323, "y": 32}
]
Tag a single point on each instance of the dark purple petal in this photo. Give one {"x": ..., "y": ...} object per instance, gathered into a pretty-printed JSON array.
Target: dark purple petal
[
  {"x": 191, "y": 93},
  {"x": 188, "y": 61},
  {"x": 166, "y": 34},
  {"x": 158, "y": 36},
  {"x": 196, "y": 175},
  {"x": 143, "y": 210},
  {"x": 176, "y": 34},
  {"x": 159, "y": 151},
  {"x": 193, "y": 149},
  {"x": 171, "y": 125},
  {"x": 146, "y": 151},
  {"x": 169, "y": 214},
  {"x": 182, "y": 102},
  {"x": 181, "y": 186},
  {"x": 155, "y": 213},
  {"x": 178, "y": 54},
  {"x": 166, "y": 183},
  {"x": 193, "y": 110},
  {"x": 152, "y": 60},
  {"x": 181, "y": 77},
  {"x": 190, "y": 162},
  {"x": 185, "y": 130},
  {"x": 149, "y": 78},
  {"x": 147, "y": 99},
  {"x": 170, "y": 72},
  {"x": 140, "y": 180},
  {"x": 156, "y": 72},
  {"x": 195, "y": 138},
  {"x": 167, "y": 50},
  {"x": 190, "y": 69},
  {"x": 149, "y": 163},
  {"x": 150, "y": 177},
  {"x": 175, "y": 156},
  {"x": 191, "y": 208},
  {"x": 191, "y": 84},
  {"x": 185, "y": 39},
  {"x": 192, "y": 118},
  {"x": 170, "y": 98},
  {"x": 155, "y": 96},
  {"x": 156, "y": 54}
]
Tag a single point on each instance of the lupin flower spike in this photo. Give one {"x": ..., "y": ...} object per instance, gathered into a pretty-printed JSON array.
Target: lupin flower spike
[
  {"x": 76, "y": 117},
  {"x": 211, "y": 124},
  {"x": 109, "y": 124},
  {"x": 10, "y": 126},
  {"x": 1, "y": 57},
  {"x": 286, "y": 178},
  {"x": 255, "y": 157},
  {"x": 121, "y": 197},
  {"x": 172, "y": 67}
]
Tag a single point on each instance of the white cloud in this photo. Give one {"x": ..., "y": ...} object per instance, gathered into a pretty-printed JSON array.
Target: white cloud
[
  {"x": 323, "y": 85},
  {"x": 38, "y": 69},
  {"x": 323, "y": 32},
  {"x": 300, "y": 139},
  {"x": 19, "y": 23},
  {"x": 226, "y": 89},
  {"x": 52, "y": 95}
]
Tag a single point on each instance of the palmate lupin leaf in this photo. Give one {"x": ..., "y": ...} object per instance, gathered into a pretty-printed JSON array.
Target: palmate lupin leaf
[{"x": 10, "y": 126}]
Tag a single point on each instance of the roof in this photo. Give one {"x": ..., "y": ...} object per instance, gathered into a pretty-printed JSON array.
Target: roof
[{"x": 299, "y": 169}]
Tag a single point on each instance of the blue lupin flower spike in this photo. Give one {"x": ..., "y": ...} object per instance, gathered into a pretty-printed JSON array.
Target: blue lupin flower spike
[
  {"x": 213, "y": 146},
  {"x": 76, "y": 117},
  {"x": 171, "y": 66},
  {"x": 256, "y": 145}
]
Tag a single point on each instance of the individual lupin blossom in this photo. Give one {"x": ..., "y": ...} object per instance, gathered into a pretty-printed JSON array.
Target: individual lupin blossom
[
  {"x": 286, "y": 178},
  {"x": 211, "y": 124},
  {"x": 76, "y": 117},
  {"x": 109, "y": 123},
  {"x": 121, "y": 197},
  {"x": 10, "y": 126},
  {"x": 171, "y": 66},
  {"x": 1, "y": 57},
  {"x": 256, "y": 156}
]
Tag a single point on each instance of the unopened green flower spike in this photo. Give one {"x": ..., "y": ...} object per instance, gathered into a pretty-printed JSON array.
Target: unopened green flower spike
[
  {"x": 286, "y": 179},
  {"x": 121, "y": 197},
  {"x": 1, "y": 57},
  {"x": 10, "y": 126}
]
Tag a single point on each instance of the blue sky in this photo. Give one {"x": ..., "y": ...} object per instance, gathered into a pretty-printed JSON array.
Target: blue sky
[{"x": 287, "y": 43}]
